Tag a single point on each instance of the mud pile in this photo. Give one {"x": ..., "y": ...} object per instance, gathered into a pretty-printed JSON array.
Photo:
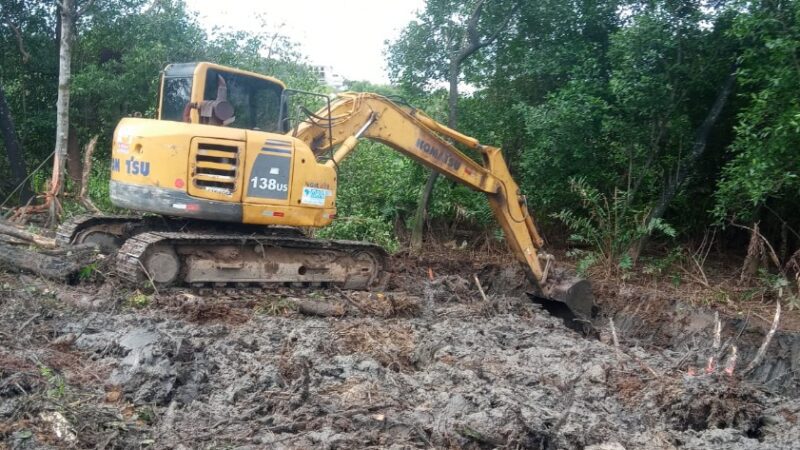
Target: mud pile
[{"x": 427, "y": 364}]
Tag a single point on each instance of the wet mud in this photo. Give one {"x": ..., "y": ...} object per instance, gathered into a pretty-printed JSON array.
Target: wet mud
[{"x": 425, "y": 364}]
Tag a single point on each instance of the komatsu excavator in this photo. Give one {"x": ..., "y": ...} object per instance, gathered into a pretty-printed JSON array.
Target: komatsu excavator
[{"x": 232, "y": 181}]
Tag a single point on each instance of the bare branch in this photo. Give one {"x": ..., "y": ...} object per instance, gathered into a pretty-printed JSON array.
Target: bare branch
[
  {"x": 480, "y": 288},
  {"x": 614, "y": 337},
  {"x": 472, "y": 42},
  {"x": 20, "y": 42}
]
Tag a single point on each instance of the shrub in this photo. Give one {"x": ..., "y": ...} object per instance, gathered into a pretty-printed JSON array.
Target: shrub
[
  {"x": 608, "y": 227},
  {"x": 368, "y": 229}
]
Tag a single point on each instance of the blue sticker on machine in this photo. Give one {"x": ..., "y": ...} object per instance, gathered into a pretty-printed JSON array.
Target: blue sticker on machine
[{"x": 269, "y": 177}]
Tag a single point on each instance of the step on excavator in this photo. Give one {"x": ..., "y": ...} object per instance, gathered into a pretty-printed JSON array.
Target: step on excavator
[{"x": 231, "y": 175}]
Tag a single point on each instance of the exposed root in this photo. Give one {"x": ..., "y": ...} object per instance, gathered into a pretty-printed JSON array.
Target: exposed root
[{"x": 763, "y": 349}]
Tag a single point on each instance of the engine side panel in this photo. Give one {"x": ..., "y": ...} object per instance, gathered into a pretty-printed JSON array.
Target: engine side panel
[{"x": 222, "y": 174}]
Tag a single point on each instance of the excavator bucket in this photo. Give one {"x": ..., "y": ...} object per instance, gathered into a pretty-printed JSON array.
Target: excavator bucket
[
  {"x": 574, "y": 292},
  {"x": 569, "y": 298}
]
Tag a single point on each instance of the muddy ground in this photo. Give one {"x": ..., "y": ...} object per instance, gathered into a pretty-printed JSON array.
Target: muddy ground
[{"x": 427, "y": 363}]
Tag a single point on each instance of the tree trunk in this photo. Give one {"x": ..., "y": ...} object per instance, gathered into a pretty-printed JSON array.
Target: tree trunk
[
  {"x": 74, "y": 162},
  {"x": 471, "y": 43},
  {"x": 67, "y": 14},
  {"x": 421, "y": 216},
  {"x": 674, "y": 184},
  {"x": 755, "y": 256},
  {"x": 16, "y": 159},
  {"x": 19, "y": 233}
]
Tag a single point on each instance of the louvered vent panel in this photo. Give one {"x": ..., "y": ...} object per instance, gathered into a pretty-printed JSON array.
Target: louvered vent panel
[{"x": 215, "y": 167}]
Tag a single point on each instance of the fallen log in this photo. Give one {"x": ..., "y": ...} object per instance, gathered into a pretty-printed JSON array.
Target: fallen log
[
  {"x": 19, "y": 233},
  {"x": 57, "y": 264},
  {"x": 315, "y": 308}
]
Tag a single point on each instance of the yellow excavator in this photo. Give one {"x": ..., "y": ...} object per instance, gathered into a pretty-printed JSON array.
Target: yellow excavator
[{"x": 232, "y": 176}]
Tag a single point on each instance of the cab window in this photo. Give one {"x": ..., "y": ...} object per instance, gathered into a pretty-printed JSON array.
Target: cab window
[
  {"x": 177, "y": 93},
  {"x": 256, "y": 102}
]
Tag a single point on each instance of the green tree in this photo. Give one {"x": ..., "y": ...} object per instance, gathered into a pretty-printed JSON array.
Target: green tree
[
  {"x": 435, "y": 48},
  {"x": 764, "y": 172}
]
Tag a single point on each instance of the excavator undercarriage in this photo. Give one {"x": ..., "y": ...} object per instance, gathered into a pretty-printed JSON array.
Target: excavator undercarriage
[{"x": 182, "y": 253}]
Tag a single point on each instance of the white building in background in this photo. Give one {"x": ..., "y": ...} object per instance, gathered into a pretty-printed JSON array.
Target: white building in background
[{"x": 330, "y": 77}]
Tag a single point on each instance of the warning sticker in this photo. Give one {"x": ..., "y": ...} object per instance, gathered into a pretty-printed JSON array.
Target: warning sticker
[{"x": 314, "y": 196}]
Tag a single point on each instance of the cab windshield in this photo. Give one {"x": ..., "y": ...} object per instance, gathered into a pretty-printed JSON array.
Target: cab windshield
[{"x": 256, "y": 102}]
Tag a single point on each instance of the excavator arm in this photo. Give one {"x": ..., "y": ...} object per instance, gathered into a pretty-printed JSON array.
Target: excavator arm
[{"x": 354, "y": 116}]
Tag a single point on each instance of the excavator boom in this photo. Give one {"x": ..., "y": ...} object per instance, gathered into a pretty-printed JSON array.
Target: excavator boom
[{"x": 354, "y": 116}]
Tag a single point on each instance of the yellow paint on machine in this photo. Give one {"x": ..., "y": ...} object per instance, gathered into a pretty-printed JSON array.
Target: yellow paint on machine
[{"x": 287, "y": 179}]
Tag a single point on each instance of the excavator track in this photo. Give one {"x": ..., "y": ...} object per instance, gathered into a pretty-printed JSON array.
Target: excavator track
[
  {"x": 75, "y": 230},
  {"x": 173, "y": 259},
  {"x": 204, "y": 254}
]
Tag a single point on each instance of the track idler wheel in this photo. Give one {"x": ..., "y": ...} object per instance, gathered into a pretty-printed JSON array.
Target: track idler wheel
[
  {"x": 108, "y": 243},
  {"x": 162, "y": 265}
]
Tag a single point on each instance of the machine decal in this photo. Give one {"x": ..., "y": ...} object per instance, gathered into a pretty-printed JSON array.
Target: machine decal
[
  {"x": 440, "y": 154},
  {"x": 272, "y": 145},
  {"x": 321, "y": 185},
  {"x": 314, "y": 196},
  {"x": 278, "y": 143},
  {"x": 124, "y": 133},
  {"x": 276, "y": 150},
  {"x": 132, "y": 167},
  {"x": 269, "y": 177}
]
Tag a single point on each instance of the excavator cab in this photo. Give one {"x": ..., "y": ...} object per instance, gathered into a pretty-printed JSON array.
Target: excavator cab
[{"x": 220, "y": 95}]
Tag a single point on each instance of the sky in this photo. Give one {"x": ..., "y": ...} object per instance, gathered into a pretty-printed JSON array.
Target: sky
[{"x": 347, "y": 35}]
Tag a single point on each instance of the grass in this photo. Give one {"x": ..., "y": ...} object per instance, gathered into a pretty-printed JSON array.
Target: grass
[{"x": 138, "y": 300}]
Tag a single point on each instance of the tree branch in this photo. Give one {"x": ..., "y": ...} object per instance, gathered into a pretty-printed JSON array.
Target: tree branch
[
  {"x": 79, "y": 11},
  {"x": 502, "y": 27},
  {"x": 20, "y": 42},
  {"x": 472, "y": 42},
  {"x": 471, "y": 36}
]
